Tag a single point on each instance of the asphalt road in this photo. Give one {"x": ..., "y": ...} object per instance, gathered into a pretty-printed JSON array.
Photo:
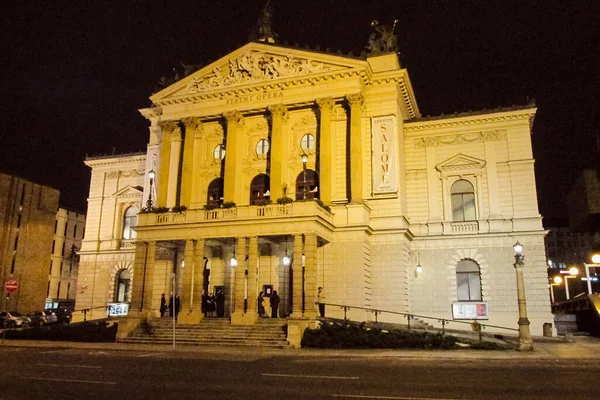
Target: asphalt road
[{"x": 46, "y": 373}]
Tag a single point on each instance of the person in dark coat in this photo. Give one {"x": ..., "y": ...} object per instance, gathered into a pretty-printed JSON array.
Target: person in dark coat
[
  {"x": 163, "y": 305},
  {"x": 204, "y": 303},
  {"x": 261, "y": 305},
  {"x": 274, "y": 304},
  {"x": 177, "y": 307},
  {"x": 211, "y": 306},
  {"x": 220, "y": 303}
]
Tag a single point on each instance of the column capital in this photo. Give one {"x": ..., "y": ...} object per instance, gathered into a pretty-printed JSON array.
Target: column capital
[
  {"x": 176, "y": 134},
  {"x": 325, "y": 103},
  {"x": 195, "y": 125},
  {"x": 234, "y": 117},
  {"x": 355, "y": 99},
  {"x": 278, "y": 110},
  {"x": 168, "y": 126}
]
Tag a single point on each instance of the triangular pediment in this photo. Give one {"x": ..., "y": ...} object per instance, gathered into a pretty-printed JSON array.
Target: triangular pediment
[
  {"x": 460, "y": 162},
  {"x": 129, "y": 191},
  {"x": 255, "y": 64}
]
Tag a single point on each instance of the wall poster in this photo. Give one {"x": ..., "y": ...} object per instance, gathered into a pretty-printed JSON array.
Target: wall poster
[{"x": 385, "y": 177}]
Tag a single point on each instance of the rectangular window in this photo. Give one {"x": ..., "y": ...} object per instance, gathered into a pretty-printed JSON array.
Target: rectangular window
[
  {"x": 66, "y": 225},
  {"x": 58, "y": 290},
  {"x": 462, "y": 287},
  {"x": 55, "y": 226},
  {"x": 68, "y": 290},
  {"x": 48, "y": 290},
  {"x": 74, "y": 231},
  {"x": 63, "y": 249},
  {"x": 53, "y": 244},
  {"x": 468, "y": 286},
  {"x": 12, "y": 265},
  {"x": 50, "y": 272}
]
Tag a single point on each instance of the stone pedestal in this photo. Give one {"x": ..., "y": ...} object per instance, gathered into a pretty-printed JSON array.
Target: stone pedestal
[
  {"x": 296, "y": 328},
  {"x": 242, "y": 318},
  {"x": 127, "y": 324}
]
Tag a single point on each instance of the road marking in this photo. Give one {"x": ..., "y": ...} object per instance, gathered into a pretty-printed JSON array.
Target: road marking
[
  {"x": 69, "y": 365},
  {"x": 356, "y": 396},
  {"x": 70, "y": 380},
  {"x": 312, "y": 376},
  {"x": 55, "y": 351},
  {"x": 148, "y": 355}
]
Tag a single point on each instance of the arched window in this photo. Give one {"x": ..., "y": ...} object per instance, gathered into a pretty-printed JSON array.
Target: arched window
[
  {"x": 262, "y": 148},
  {"x": 463, "y": 201},
  {"x": 129, "y": 222},
  {"x": 215, "y": 193},
  {"x": 219, "y": 152},
  {"x": 307, "y": 142},
  {"x": 122, "y": 286},
  {"x": 307, "y": 185},
  {"x": 259, "y": 188},
  {"x": 468, "y": 281}
]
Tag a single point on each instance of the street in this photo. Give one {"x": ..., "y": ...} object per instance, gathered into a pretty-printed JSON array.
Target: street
[{"x": 47, "y": 373}]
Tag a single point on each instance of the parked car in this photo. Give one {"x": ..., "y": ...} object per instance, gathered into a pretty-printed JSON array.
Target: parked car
[
  {"x": 13, "y": 319},
  {"x": 63, "y": 315},
  {"x": 41, "y": 318}
]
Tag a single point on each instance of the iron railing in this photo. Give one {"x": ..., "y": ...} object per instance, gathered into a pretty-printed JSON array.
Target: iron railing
[{"x": 475, "y": 325}]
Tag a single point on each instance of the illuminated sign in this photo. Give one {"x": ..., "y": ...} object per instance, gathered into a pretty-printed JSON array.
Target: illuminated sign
[
  {"x": 384, "y": 154},
  {"x": 469, "y": 310},
  {"x": 117, "y": 309}
]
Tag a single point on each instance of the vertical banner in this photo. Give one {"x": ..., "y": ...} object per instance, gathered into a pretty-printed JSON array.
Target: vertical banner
[{"x": 385, "y": 178}]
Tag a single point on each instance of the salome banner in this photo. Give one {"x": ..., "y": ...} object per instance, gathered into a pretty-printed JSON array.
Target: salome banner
[{"x": 385, "y": 178}]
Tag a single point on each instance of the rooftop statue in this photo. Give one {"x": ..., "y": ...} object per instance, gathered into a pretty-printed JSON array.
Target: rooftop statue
[
  {"x": 264, "y": 30},
  {"x": 382, "y": 40}
]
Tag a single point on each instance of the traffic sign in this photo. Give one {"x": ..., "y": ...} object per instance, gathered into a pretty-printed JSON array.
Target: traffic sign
[{"x": 11, "y": 286}]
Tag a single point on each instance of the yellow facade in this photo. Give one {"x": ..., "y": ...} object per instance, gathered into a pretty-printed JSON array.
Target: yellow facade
[{"x": 266, "y": 123}]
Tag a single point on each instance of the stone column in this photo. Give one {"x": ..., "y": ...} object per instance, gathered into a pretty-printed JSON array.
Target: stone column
[
  {"x": 327, "y": 150},
  {"x": 191, "y": 298},
  {"x": 297, "y": 278},
  {"x": 277, "y": 151},
  {"x": 310, "y": 276},
  {"x": 356, "y": 147},
  {"x": 237, "y": 318},
  {"x": 234, "y": 151},
  {"x": 173, "y": 186},
  {"x": 187, "y": 170},
  {"x": 143, "y": 279},
  {"x": 162, "y": 178},
  {"x": 252, "y": 269},
  {"x": 198, "y": 183}
]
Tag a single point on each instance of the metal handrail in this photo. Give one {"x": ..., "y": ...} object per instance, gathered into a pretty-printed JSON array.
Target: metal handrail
[
  {"x": 86, "y": 310},
  {"x": 475, "y": 325}
]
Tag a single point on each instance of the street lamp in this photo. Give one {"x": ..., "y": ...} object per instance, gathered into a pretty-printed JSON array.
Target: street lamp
[
  {"x": 557, "y": 281},
  {"x": 573, "y": 272},
  {"x": 233, "y": 261},
  {"x": 286, "y": 259},
  {"x": 525, "y": 340},
  {"x": 304, "y": 161},
  {"x": 595, "y": 264},
  {"x": 151, "y": 176}
]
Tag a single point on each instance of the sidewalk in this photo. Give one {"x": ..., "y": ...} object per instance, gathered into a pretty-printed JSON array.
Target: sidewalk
[{"x": 582, "y": 348}]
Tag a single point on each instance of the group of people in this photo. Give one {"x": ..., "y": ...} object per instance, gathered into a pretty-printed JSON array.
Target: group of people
[
  {"x": 262, "y": 303},
  {"x": 174, "y": 306},
  {"x": 213, "y": 306}
]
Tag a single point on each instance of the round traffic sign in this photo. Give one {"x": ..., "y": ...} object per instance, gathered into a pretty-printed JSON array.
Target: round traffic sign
[{"x": 11, "y": 286}]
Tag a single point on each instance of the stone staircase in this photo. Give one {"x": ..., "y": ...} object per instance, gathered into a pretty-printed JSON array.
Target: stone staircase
[{"x": 266, "y": 332}]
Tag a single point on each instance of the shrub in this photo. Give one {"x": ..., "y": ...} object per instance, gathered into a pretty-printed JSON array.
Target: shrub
[
  {"x": 179, "y": 209},
  {"x": 263, "y": 202},
  {"x": 347, "y": 335},
  {"x": 486, "y": 346},
  {"x": 325, "y": 207},
  {"x": 285, "y": 200},
  {"x": 228, "y": 204},
  {"x": 210, "y": 206},
  {"x": 160, "y": 210}
]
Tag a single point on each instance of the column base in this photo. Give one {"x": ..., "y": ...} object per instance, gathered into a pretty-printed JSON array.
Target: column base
[
  {"x": 296, "y": 328},
  {"x": 190, "y": 317},
  {"x": 242, "y": 318}
]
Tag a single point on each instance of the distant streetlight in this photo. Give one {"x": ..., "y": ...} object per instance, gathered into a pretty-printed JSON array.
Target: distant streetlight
[
  {"x": 149, "y": 203},
  {"x": 525, "y": 340},
  {"x": 557, "y": 281},
  {"x": 595, "y": 264}
]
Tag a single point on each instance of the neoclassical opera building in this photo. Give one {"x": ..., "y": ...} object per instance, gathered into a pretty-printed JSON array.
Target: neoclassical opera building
[{"x": 276, "y": 168}]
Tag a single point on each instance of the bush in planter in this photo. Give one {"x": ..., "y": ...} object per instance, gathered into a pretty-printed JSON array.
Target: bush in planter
[
  {"x": 160, "y": 210},
  {"x": 285, "y": 200},
  {"x": 323, "y": 206},
  {"x": 179, "y": 209},
  {"x": 263, "y": 202},
  {"x": 228, "y": 204},
  {"x": 210, "y": 206}
]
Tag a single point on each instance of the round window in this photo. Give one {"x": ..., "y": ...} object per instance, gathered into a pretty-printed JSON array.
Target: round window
[
  {"x": 262, "y": 148},
  {"x": 307, "y": 142},
  {"x": 219, "y": 152}
]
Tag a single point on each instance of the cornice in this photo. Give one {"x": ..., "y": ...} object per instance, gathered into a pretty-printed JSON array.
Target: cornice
[
  {"x": 469, "y": 120},
  {"x": 114, "y": 160}
]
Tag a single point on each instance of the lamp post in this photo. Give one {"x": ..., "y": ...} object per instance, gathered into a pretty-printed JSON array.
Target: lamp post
[
  {"x": 151, "y": 176},
  {"x": 595, "y": 264},
  {"x": 557, "y": 281},
  {"x": 304, "y": 161},
  {"x": 525, "y": 340}
]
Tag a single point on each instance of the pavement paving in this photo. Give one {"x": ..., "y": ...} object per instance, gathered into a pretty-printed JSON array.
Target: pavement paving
[{"x": 574, "y": 348}]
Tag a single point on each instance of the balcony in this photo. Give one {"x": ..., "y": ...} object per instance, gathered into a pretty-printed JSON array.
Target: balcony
[{"x": 241, "y": 213}]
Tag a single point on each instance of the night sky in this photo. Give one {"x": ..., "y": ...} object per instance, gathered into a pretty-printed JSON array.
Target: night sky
[{"x": 74, "y": 73}]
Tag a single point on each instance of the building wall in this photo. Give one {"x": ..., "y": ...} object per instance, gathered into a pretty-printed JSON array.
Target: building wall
[{"x": 28, "y": 212}]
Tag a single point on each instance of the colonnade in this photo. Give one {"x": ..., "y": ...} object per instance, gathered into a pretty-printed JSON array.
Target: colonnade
[
  {"x": 178, "y": 172},
  {"x": 245, "y": 282}
]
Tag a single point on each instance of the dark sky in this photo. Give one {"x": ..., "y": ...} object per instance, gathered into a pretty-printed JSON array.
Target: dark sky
[{"x": 74, "y": 73}]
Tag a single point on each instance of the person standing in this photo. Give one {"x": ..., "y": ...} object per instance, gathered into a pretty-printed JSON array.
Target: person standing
[
  {"x": 261, "y": 305},
  {"x": 204, "y": 303},
  {"x": 163, "y": 305},
  {"x": 321, "y": 301},
  {"x": 274, "y": 304},
  {"x": 211, "y": 306},
  {"x": 220, "y": 303}
]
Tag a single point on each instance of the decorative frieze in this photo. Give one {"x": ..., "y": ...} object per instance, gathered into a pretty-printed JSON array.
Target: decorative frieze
[{"x": 461, "y": 138}]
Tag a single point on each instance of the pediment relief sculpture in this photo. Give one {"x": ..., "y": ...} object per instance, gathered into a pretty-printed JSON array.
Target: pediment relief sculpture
[
  {"x": 254, "y": 66},
  {"x": 460, "y": 162}
]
